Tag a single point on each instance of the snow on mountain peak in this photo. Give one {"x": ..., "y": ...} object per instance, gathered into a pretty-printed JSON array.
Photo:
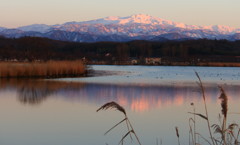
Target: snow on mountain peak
[
  {"x": 138, "y": 26},
  {"x": 221, "y": 28},
  {"x": 140, "y": 18},
  {"x": 2, "y": 28},
  {"x": 111, "y": 18}
]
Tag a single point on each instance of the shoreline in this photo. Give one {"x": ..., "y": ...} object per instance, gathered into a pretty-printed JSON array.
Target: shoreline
[
  {"x": 202, "y": 64},
  {"x": 152, "y": 76}
]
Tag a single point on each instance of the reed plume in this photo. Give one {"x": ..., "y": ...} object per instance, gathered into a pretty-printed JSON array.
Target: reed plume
[
  {"x": 114, "y": 105},
  {"x": 224, "y": 102}
]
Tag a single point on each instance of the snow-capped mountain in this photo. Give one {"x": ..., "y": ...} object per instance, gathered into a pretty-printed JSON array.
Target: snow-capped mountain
[{"x": 129, "y": 28}]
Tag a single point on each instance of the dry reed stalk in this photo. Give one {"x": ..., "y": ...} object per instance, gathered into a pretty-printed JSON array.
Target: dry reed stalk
[
  {"x": 194, "y": 121},
  {"x": 205, "y": 105},
  {"x": 203, "y": 138},
  {"x": 177, "y": 134},
  {"x": 191, "y": 132},
  {"x": 114, "y": 105}
]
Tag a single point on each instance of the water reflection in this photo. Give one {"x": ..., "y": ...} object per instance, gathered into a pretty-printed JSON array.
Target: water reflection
[
  {"x": 34, "y": 92},
  {"x": 32, "y": 95},
  {"x": 144, "y": 98},
  {"x": 135, "y": 97}
]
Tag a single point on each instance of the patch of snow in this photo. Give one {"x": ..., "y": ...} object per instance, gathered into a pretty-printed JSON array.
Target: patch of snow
[
  {"x": 2, "y": 28},
  {"x": 42, "y": 28}
]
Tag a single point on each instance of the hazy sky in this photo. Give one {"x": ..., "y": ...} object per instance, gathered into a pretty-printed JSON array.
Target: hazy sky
[{"x": 14, "y": 13}]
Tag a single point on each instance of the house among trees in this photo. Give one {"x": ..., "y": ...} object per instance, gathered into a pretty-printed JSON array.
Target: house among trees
[
  {"x": 134, "y": 61},
  {"x": 153, "y": 60}
]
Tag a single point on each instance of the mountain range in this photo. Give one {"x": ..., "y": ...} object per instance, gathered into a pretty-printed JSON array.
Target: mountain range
[{"x": 121, "y": 29}]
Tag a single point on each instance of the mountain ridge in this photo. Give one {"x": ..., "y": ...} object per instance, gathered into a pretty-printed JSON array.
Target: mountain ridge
[{"x": 128, "y": 28}]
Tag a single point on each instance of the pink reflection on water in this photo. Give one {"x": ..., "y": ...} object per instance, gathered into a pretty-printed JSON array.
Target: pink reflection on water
[
  {"x": 178, "y": 100},
  {"x": 146, "y": 103},
  {"x": 136, "y": 98},
  {"x": 140, "y": 105},
  {"x": 149, "y": 101},
  {"x": 122, "y": 100}
]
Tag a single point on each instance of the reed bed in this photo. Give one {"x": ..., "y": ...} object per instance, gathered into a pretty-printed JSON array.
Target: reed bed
[{"x": 49, "y": 69}]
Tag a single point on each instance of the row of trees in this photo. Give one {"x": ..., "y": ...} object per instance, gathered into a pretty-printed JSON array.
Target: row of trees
[{"x": 33, "y": 48}]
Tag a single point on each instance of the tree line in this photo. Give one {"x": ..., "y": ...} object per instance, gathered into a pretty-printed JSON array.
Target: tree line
[{"x": 35, "y": 48}]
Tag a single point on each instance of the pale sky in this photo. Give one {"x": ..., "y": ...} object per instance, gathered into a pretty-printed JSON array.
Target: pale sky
[{"x": 15, "y": 13}]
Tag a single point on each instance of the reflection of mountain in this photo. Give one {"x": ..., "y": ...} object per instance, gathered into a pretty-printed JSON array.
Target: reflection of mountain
[
  {"x": 137, "y": 98},
  {"x": 143, "y": 98}
]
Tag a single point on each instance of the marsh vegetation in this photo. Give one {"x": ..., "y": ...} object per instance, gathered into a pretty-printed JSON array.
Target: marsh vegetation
[{"x": 49, "y": 69}]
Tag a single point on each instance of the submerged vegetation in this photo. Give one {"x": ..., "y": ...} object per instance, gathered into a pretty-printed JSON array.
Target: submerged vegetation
[
  {"x": 49, "y": 69},
  {"x": 222, "y": 133}
]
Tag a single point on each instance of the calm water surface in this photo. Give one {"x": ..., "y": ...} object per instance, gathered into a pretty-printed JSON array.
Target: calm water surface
[{"x": 157, "y": 99}]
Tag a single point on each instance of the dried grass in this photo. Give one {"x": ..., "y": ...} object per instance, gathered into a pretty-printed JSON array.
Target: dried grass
[
  {"x": 229, "y": 134},
  {"x": 205, "y": 107},
  {"x": 50, "y": 69}
]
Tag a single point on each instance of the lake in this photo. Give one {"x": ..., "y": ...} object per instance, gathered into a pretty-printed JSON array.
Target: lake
[{"x": 156, "y": 98}]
